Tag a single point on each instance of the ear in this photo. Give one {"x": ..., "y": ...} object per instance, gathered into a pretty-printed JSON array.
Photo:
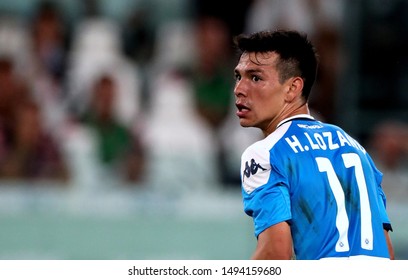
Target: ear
[{"x": 295, "y": 87}]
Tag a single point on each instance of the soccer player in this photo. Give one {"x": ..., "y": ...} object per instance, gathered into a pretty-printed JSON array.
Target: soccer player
[{"x": 312, "y": 190}]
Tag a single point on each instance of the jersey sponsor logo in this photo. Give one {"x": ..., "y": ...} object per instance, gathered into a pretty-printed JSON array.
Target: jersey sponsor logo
[
  {"x": 315, "y": 126},
  {"x": 252, "y": 169}
]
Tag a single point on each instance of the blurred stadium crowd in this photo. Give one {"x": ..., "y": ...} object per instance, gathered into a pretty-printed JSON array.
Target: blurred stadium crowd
[{"x": 139, "y": 93}]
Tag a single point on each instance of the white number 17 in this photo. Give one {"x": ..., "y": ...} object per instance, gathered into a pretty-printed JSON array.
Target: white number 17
[{"x": 342, "y": 221}]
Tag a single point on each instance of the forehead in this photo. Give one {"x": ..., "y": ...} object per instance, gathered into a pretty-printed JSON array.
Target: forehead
[{"x": 257, "y": 60}]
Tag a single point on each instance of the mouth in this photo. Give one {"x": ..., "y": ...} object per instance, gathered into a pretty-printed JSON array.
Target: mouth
[{"x": 242, "y": 110}]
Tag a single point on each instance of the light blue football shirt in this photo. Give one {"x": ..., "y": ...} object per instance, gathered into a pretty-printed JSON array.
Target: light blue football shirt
[{"x": 323, "y": 183}]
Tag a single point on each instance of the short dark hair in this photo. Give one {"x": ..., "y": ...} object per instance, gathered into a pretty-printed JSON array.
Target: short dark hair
[{"x": 297, "y": 55}]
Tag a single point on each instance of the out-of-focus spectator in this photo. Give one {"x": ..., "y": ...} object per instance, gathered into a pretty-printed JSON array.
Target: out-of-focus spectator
[
  {"x": 180, "y": 148},
  {"x": 212, "y": 83},
  {"x": 49, "y": 36},
  {"x": 96, "y": 49},
  {"x": 390, "y": 142},
  {"x": 49, "y": 40},
  {"x": 389, "y": 145},
  {"x": 212, "y": 73},
  {"x": 33, "y": 154},
  {"x": 178, "y": 140},
  {"x": 118, "y": 147},
  {"x": 13, "y": 91}
]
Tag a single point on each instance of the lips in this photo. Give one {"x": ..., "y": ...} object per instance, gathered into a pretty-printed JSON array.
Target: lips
[{"x": 242, "y": 109}]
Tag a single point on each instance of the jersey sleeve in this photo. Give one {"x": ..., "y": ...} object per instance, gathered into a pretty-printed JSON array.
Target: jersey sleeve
[
  {"x": 382, "y": 202},
  {"x": 265, "y": 194},
  {"x": 382, "y": 199}
]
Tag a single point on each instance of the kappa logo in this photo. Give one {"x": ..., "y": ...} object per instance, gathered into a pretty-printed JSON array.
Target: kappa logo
[{"x": 252, "y": 169}]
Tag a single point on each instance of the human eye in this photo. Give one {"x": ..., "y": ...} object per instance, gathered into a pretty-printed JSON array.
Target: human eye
[
  {"x": 256, "y": 78},
  {"x": 237, "y": 77}
]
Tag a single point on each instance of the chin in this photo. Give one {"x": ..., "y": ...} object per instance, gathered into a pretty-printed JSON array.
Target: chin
[{"x": 244, "y": 123}]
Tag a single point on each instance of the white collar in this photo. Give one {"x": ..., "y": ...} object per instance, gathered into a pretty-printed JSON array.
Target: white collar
[{"x": 300, "y": 116}]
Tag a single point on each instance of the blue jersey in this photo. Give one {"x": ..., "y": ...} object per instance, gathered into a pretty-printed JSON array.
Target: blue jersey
[{"x": 323, "y": 183}]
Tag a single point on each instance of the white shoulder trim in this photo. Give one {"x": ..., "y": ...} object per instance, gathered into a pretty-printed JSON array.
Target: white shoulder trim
[{"x": 255, "y": 161}]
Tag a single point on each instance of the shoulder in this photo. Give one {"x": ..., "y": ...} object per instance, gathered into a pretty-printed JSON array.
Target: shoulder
[
  {"x": 255, "y": 161},
  {"x": 261, "y": 148}
]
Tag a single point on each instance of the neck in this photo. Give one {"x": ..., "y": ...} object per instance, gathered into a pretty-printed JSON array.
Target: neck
[{"x": 289, "y": 110}]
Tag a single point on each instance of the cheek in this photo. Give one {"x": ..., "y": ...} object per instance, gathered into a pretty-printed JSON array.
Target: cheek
[{"x": 272, "y": 100}]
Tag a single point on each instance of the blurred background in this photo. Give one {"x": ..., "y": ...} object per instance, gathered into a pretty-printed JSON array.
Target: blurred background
[{"x": 118, "y": 135}]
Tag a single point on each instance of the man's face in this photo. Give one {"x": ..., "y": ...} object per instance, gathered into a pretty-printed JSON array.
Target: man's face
[{"x": 258, "y": 92}]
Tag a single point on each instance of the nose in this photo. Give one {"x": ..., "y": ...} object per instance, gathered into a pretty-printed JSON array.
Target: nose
[{"x": 239, "y": 89}]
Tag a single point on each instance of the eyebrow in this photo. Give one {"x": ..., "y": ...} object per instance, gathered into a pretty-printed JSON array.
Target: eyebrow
[{"x": 249, "y": 71}]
